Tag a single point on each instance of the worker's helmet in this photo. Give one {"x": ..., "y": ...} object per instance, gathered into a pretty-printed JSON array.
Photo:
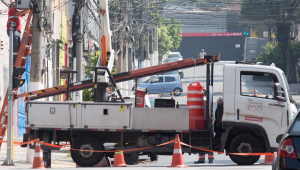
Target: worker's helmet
[
  {"x": 12, "y": 3},
  {"x": 220, "y": 100},
  {"x": 202, "y": 50}
]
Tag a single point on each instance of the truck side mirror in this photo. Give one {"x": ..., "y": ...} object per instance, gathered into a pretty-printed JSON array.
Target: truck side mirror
[
  {"x": 278, "y": 138},
  {"x": 278, "y": 92}
]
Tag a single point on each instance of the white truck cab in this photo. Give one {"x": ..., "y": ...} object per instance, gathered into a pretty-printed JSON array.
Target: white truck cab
[{"x": 258, "y": 106}]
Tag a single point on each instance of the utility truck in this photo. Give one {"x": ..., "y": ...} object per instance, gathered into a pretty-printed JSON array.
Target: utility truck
[{"x": 257, "y": 105}]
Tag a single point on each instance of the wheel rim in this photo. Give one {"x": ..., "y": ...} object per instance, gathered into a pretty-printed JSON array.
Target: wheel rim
[
  {"x": 177, "y": 91},
  {"x": 244, "y": 148},
  {"x": 86, "y": 154}
]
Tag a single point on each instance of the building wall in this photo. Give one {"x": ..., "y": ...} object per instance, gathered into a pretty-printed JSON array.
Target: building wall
[
  {"x": 230, "y": 48},
  {"x": 4, "y": 53}
]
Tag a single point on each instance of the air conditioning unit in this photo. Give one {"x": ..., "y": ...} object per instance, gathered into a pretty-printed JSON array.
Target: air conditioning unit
[{"x": 22, "y": 4}]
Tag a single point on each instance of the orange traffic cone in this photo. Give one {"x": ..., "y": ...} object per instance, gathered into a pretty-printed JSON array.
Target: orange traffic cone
[
  {"x": 269, "y": 159},
  {"x": 119, "y": 159},
  {"x": 177, "y": 160},
  {"x": 38, "y": 162}
]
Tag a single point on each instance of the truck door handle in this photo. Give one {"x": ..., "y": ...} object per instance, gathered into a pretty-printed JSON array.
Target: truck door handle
[{"x": 238, "y": 114}]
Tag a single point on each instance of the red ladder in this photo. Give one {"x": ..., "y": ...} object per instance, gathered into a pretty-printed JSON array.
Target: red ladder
[{"x": 21, "y": 59}]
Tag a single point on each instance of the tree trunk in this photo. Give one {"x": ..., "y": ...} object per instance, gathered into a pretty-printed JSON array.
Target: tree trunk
[{"x": 283, "y": 31}]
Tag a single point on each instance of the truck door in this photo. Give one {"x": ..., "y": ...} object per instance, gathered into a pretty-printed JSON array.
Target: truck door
[{"x": 255, "y": 104}]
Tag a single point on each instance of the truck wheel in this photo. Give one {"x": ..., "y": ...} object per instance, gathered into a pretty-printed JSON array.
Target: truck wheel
[
  {"x": 153, "y": 157},
  {"x": 87, "y": 158},
  {"x": 177, "y": 92},
  {"x": 132, "y": 158},
  {"x": 244, "y": 143}
]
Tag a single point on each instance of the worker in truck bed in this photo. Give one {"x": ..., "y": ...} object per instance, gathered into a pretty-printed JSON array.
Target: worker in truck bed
[{"x": 14, "y": 15}]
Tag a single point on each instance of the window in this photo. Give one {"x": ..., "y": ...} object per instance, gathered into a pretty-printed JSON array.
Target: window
[
  {"x": 175, "y": 55},
  {"x": 296, "y": 126},
  {"x": 288, "y": 88},
  {"x": 258, "y": 84},
  {"x": 170, "y": 79},
  {"x": 157, "y": 80},
  {"x": 147, "y": 80}
]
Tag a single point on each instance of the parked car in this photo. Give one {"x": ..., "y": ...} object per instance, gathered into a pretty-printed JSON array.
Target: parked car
[
  {"x": 175, "y": 55},
  {"x": 163, "y": 84},
  {"x": 152, "y": 98},
  {"x": 288, "y": 154},
  {"x": 172, "y": 73},
  {"x": 169, "y": 60}
]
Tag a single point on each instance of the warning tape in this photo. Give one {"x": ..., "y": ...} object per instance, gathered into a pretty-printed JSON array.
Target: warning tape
[{"x": 136, "y": 149}]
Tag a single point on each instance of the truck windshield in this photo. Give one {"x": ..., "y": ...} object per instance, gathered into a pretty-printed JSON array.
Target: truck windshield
[{"x": 288, "y": 88}]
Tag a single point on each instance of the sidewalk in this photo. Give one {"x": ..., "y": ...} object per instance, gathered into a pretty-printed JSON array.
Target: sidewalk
[{"x": 58, "y": 159}]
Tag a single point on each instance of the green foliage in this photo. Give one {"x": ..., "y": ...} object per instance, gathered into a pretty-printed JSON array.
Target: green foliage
[
  {"x": 295, "y": 54},
  {"x": 279, "y": 13},
  {"x": 88, "y": 94},
  {"x": 169, "y": 36},
  {"x": 164, "y": 41},
  {"x": 273, "y": 54},
  {"x": 174, "y": 28},
  {"x": 93, "y": 58}
]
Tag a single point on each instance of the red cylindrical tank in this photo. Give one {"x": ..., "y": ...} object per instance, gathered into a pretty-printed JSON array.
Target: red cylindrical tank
[
  {"x": 140, "y": 97},
  {"x": 195, "y": 104}
]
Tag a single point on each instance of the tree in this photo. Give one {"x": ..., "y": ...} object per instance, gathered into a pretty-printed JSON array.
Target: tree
[
  {"x": 281, "y": 14},
  {"x": 164, "y": 41},
  {"x": 88, "y": 94},
  {"x": 272, "y": 54}
]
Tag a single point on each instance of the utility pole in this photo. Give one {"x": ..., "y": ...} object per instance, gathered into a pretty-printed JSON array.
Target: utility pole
[
  {"x": 9, "y": 153},
  {"x": 141, "y": 41},
  {"x": 79, "y": 45},
  {"x": 156, "y": 45},
  {"x": 36, "y": 56},
  {"x": 147, "y": 33},
  {"x": 119, "y": 66},
  {"x": 151, "y": 47}
]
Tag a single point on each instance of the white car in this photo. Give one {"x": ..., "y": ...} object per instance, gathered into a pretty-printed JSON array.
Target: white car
[
  {"x": 175, "y": 55},
  {"x": 169, "y": 60}
]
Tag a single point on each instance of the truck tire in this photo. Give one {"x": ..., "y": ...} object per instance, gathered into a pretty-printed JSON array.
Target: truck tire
[
  {"x": 244, "y": 143},
  {"x": 132, "y": 158},
  {"x": 153, "y": 157},
  {"x": 86, "y": 158}
]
